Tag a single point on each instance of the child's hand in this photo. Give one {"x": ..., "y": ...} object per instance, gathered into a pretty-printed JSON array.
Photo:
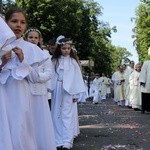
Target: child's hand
[{"x": 19, "y": 53}]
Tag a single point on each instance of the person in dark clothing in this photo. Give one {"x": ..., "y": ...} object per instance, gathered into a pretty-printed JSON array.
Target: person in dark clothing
[{"x": 52, "y": 46}]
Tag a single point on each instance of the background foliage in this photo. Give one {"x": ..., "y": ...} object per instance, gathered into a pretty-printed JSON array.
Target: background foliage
[
  {"x": 78, "y": 20},
  {"x": 142, "y": 29}
]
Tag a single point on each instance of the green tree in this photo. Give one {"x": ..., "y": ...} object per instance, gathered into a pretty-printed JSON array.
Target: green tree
[
  {"x": 73, "y": 18},
  {"x": 76, "y": 19},
  {"x": 142, "y": 30},
  {"x": 5, "y": 5}
]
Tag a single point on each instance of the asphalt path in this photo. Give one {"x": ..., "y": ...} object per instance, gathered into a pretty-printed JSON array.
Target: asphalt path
[{"x": 106, "y": 126}]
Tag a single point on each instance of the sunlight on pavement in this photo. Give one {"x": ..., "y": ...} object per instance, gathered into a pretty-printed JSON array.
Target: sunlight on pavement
[{"x": 124, "y": 126}]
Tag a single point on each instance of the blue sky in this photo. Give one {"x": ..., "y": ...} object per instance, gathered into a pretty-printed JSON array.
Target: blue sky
[{"x": 118, "y": 13}]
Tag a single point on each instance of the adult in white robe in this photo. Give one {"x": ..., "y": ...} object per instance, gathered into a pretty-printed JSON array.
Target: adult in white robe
[
  {"x": 135, "y": 91},
  {"x": 67, "y": 84},
  {"x": 144, "y": 80},
  {"x": 119, "y": 79},
  {"x": 127, "y": 91}
]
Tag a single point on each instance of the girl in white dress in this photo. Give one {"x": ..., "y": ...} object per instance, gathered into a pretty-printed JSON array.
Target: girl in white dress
[
  {"x": 16, "y": 119},
  {"x": 40, "y": 108},
  {"x": 67, "y": 85}
]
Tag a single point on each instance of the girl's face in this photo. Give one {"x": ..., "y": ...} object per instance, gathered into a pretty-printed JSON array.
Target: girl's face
[
  {"x": 66, "y": 49},
  {"x": 33, "y": 37},
  {"x": 17, "y": 23}
]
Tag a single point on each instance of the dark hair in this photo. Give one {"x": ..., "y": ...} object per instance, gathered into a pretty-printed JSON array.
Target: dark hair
[
  {"x": 57, "y": 52},
  {"x": 52, "y": 41},
  {"x": 13, "y": 10}
]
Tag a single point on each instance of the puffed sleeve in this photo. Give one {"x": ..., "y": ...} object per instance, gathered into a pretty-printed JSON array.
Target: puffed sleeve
[
  {"x": 42, "y": 73},
  {"x": 46, "y": 71}
]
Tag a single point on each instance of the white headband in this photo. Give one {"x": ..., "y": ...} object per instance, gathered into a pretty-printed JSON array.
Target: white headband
[
  {"x": 59, "y": 38},
  {"x": 32, "y": 30}
]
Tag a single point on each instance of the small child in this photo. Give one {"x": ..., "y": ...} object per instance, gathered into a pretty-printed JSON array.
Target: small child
[{"x": 38, "y": 86}]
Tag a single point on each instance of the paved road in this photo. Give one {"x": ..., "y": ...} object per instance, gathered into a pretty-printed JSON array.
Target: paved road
[{"x": 107, "y": 126}]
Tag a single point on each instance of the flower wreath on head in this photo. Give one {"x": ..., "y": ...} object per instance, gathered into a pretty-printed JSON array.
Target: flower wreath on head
[
  {"x": 74, "y": 49},
  {"x": 60, "y": 41},
  {"x": 33, "y": 30},
  {"x": 63, "y": 43}
]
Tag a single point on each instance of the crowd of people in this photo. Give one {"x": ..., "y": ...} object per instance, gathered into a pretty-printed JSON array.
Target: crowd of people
[
  {"x": 98, "y": 88},
  {"x": 131, "y": 86},
  {"x": 128, "y": 86},
  {"x": 32, "y": 79},
  {"x": 40, "y": 89}
]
